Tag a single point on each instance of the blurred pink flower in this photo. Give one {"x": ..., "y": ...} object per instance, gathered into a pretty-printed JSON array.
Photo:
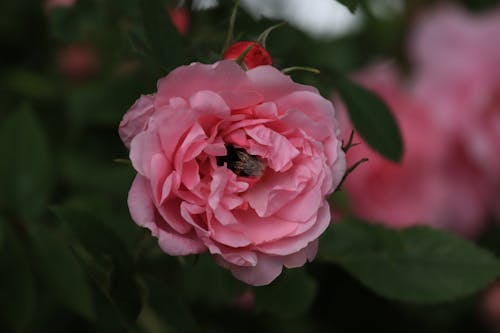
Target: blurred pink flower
[
  {"x": 433, "y": 185},
  {"x": 234, "y": 162},
  {"x": 491, "y": 306},
  {"x": 51, "y": 4},
  {"x": 457, "y": 58},
  {"x": 77, "y": 61},
  {"x": 449, "y": 114},
  {"x": 245, "y": 301}
]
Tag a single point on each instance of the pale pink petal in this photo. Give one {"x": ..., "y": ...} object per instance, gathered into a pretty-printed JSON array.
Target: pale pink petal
[
  {"x": 241, "y": 99},
  {"x": 228, "y": 236},
  {"x": 190, "y": 174},
  {"x": 313, "y": 106},
  {"x": 209, "y": 102},
  {"x": 143, "y": 213},
  {"x": 262, "y": 229},
  {"x": 276, "y": 190},
  {"x": 185, "y": 81},
  {"x": 193, "y": 215},
  {"x": 279, "y": 152},
  {"x": 289, "y": 245},
  {"x": 177, "y": 245},
  {"x": 264, "y": 272},
  {"x": 303, "y": 207},
  {"x": 299, "y": 258},
  {"x": 272, "y": 84},
  {"x": 170, "y": 211},
  {"x": 228, "y": 258},
  {"x": 140, "y": 204},
  {"x": 136, "y": 118},
  {"x": 142, "y": 149}
]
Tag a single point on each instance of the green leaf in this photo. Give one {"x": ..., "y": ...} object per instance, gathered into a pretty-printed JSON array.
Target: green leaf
[
  {"x": 96, "y": 238},
  {"x": 72, "y": 23},
  {"x": 25, "y": 177},
  {"x": 205, "y": 272},
  {"x": 17, "y": 285},
  {"x": 162, "y": 37},
  {"x": 62, "y": 273},
  {"x": 289, "y": 296},
  {"x": 171, "y": 306},
  {"x": 138, "y": 44},
  {"x": 106, "y": 258},
  {"x": 372, "y": 118},
  {"x": 2, "y": 232},
  {"x": 417, "y": 264},
  {"x": 29, "y": 84},
  {"x": 352, "y": 5},
  {"x": 125, "y": 293}
]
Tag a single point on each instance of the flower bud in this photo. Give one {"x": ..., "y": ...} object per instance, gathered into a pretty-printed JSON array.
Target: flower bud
[
  {"x": 256, "y": 56},
  {"x": 180, "y": 18},
  {"x": 77, "y": 61}
]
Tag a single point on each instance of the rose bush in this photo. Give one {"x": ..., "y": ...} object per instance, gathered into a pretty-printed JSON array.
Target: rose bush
[
  {"x": 434, "y": 184},
  {"x": 449, "y": 114},
  {"x": 237, "y": 163}
]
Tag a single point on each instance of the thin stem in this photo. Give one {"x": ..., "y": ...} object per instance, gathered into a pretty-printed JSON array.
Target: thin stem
[
  {"x": 351, "y": 169},
  {"x": 263, "y": 36},
  {"x": 349, "y": 143},
  {"x": 230, "y": 32},
  {"x": 122, "y": 161},
  {"x": 300, "y": 68},
  {"x": 243, "y": 54}
]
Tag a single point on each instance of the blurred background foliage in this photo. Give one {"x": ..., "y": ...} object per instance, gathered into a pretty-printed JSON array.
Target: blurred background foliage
[{"x": 71, "y": 259}]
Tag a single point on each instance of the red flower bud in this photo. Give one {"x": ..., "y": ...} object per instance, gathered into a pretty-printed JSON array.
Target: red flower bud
[
  {"x": 78, "y": 61},
  {"x": 257, "y": 56},
  {"x": 180, "y": 18}
]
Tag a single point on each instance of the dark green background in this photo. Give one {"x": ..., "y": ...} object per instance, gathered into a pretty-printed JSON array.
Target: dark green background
[{"x": 72, "y": 260}]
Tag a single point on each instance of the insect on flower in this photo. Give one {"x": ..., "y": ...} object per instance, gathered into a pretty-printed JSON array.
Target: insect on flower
[{"x": 242, "y": 163}]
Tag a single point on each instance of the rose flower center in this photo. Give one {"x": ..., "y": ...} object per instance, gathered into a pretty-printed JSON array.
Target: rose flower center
[{"x": 241, "y": 163}]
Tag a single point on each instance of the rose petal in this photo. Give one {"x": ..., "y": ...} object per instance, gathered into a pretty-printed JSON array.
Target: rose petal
[
  {"x": 279, "y": 152},
  {"x": 140, "y": 204},
  {"x": 272, "y": 84},
  {"x": 289, "y": 245},
  {"x": 264, "y": 272},
  {"x": 185, "y": 81},
  {"x": 136, "y": 118},
  {"x": 299, "y": 258}
]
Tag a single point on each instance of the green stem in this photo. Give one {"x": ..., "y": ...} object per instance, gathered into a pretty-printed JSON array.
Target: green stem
[
  {"x": 263, "y": 36},
  {"x": 122, "y": 161},
  {"x": 300, "y": 68},
  {"x": 243, "y": 54},
  {"x": 230, "y": 32}
]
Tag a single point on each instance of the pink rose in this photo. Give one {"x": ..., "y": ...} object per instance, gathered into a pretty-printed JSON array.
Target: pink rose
[
  {"x": 457, "y": 57},
  {"x": 237, "y": 163},
  {"x": 434, "y": 184}
]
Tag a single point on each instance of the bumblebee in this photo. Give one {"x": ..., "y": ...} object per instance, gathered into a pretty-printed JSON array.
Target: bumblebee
[{"x": 241, "y": 163}]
